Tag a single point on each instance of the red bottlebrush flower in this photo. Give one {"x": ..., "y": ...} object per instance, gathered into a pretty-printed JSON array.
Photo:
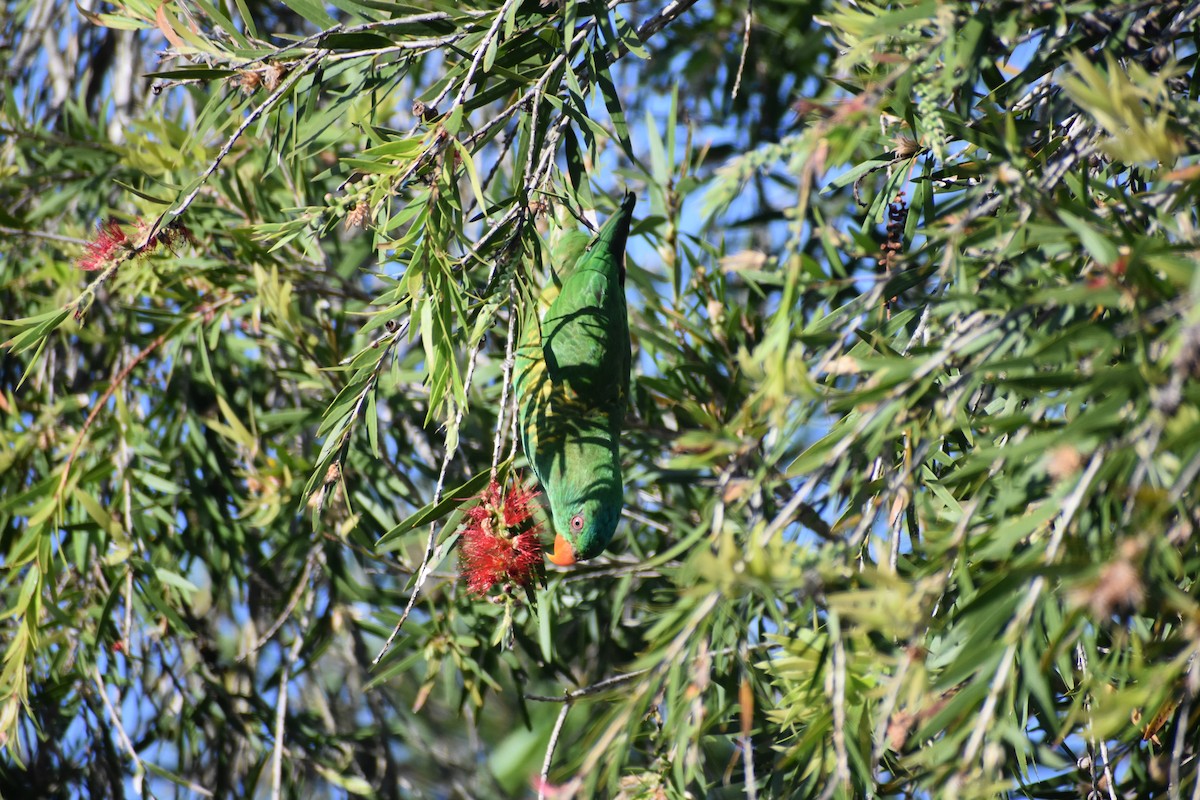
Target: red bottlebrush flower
[
  {"x": 109, "y": 239},
  {"x": 500, "y": 543}
]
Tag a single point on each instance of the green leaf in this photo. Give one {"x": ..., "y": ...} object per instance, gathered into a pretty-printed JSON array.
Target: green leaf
[
  {"x": 34, "y": 329},
  {"x": 313, "y": 11},
  {"x": 612, "y": 102},
  {"x": 1099, "y": 247},
  {"x": 468, "y": 163},
  {"x": 189, "y": 73},
  {"x": 144, "y": 195},
  {"x": 175, "y": 580},
  {"x": 372, "y": 421},
  {"x": 351, "y": 783}
]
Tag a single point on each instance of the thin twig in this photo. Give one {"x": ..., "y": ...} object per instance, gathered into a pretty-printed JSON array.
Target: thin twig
[
  {"x": 128, "y": 626},
  {"x": 281, "y": 702},
  {"x": 302, "y": 45},
  {"x": 839, "y": 710},
  {"x": 425, "y": 45},
  {"x": 747, "y": 743},
  {"x": 587, "y": 691},
  {"x": 390, "y": 340},
  {"x": 401, "y": 331},
  {"x": 422, "y": 574},
  {"x": 665, "y": 16},
  {"x": 737, "y": 83},
  {"x": 550, "y": 746},
  {"x": 1082, "y": 663},
  {"x": 887, "y": 708},
  {"x": 1174, "y": 784},
  {"x": 108, "y": 393},
  {"x": 1108, "y": 773},
  {"x": 293, "y": 601},
  {"x": 509, "y": 361},
  {"x": 481, "y": 50},
  {"x": 643, "y": 519},
  {"x": 612, "y": 570},
  {"x": 99, "y": 405},
  {"x": 54, "y": 237},
  {"x": 115, "y": 718},
  {"x": 1196, "y": 786},
  {"x": 122, "y": 736},
  {"x": 513, "y": 433},
  {"x": 617, "y": 680},
  {"x": 718, "y": 518}
]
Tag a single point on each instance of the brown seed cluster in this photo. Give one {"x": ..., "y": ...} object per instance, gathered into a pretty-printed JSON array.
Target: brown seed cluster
[
  {"x": 269, "y": 77},
  {"x": 423, "y": 112},
  {"x": 357, "y": 218},
  {"x": 894, "y": 244}
]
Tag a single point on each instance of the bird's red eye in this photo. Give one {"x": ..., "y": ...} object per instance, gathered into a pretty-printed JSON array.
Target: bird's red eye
[{"x": 577, "y": 523}]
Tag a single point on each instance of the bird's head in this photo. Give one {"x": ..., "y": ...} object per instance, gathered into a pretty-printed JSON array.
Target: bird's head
[{"x": 582, "y": 527}]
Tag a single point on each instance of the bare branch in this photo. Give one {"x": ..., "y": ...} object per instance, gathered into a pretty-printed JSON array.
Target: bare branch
[
  {"x": 127, "y": 745},
  {"x": 746, "y": 25},
  {"x": 54, "y": 237},
  {"x": 99, "y": 405},
  {"x": 281, "y": 702},
  {"x": 550, "y": 746}
]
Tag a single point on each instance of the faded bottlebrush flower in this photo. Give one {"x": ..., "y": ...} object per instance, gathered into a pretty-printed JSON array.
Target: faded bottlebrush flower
[
  {"x": 248, "y": 80},
  {"x": 500, "y": 544},
  {"x": 905, "y": 146},
  {"x": 1117, "y": 590},
  {"x": 170, "y": 235},
  {"x": 1063, "y": 461},
  {"x": 899, "y": 725},
  {"x": 424, "y": 112},
  {"x": 357, "y": 218},
  {"x": 272, "y": 76},
  {"x": 109, "y": 239}
]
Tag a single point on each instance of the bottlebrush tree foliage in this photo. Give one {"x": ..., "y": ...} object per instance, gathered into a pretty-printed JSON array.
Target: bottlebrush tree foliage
[{"x": 911, "y": 458}]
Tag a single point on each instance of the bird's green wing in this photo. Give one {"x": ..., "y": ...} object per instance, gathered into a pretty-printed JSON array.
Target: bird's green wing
[{"x": 585, "y": 332}]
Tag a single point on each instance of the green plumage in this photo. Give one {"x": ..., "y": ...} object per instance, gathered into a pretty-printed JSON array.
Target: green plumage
[{"x": 572, "y": 384}]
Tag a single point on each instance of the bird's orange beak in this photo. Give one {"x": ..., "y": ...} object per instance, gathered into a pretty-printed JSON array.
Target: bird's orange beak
[{"x": 564, "y": 554}]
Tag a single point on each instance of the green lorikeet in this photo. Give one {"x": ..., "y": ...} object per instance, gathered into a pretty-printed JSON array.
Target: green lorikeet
[{"x": 572, "y": 383}]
